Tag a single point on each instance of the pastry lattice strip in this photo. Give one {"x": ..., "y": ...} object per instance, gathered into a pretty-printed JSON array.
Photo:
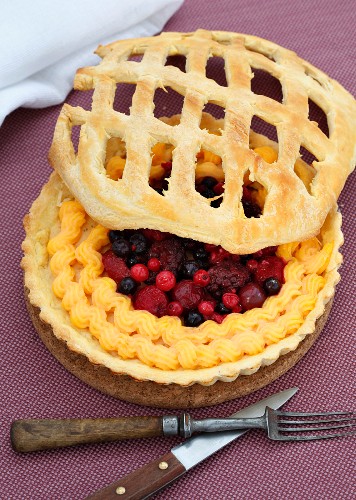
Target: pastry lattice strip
[{"x": 291, "y": 211}]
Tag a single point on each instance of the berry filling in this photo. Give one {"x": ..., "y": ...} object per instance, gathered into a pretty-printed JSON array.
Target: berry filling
[{"x": 168, "y": 275}]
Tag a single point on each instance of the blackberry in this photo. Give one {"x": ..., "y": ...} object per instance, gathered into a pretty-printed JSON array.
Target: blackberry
[
  {"x": 225, "y": 276},
  {"x": 193, "y": 318},
  {"x": 121, "y": 247},
  {"x": 127, "y": 286},
  {"x": 170, "y": 253}
]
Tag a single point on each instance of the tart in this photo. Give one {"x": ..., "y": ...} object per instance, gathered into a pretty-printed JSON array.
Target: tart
[{"x": 190, "y": 250}]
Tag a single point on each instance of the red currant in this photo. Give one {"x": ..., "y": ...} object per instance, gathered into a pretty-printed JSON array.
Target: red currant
[
  {"x": 206, "y": 307},
  {"x": 201, "y": 278},
  {"x": 218, "y": 318},
  {"x": 154, "y": 264},
  {"x": 165, "y": 281},
  {"x": 252, "y": 265},
  {"x": 230, "y": 300},
  {"x": 175, "y": 308},
  {"x": 139, "y": 272}
]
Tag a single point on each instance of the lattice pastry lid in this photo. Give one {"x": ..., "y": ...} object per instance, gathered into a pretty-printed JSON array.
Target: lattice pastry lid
[{"x": 292, "y": 210}]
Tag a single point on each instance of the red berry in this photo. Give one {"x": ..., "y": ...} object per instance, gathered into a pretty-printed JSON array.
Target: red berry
[
  {"x": 270, "y": 267},
  {"x": 155, "y": 235},
  {"x": 115, "y": 267},
  {"x": 265, "y": 252},
  {"x": 230, "y": 300},
  {"x": 165, "y": 281},
  {"x": 219, "y": 318},
  {"x": 201, "y": 278},
  {"x": 237, "y": 309},
  {"x": 167, "y": 166},
  {"x": 154, "y": 264},
  {"x": 175, "y": 309},
  {"x": 218, "y": 255},
  {"x": 210, "y": 248},
  {"x": 252, "y": 265},
  {"x": 206, "y": 307},
  {"x": 219, "y": 188},
  {"x": 188, "y": 294},
  {"x": 139, "y": 272},
  {"x": 251, "y": 296},
  {"x": 151, "y": 299}
]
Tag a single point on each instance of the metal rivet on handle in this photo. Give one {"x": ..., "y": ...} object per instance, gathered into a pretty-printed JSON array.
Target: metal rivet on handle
[
  {"x": 163, "y": 465},
  {"x": 120, "y": 490}
]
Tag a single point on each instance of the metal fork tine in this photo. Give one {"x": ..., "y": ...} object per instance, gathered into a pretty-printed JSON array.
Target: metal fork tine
[
  {"x": 307, "y": 429},
  {"x": 331, "y": 420},
  {"x": 313, "y": 437},
  {"x": 319, "y": 414}
]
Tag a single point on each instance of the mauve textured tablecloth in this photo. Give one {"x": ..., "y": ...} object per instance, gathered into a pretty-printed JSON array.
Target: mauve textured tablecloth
[{"x": 34, "y": 384}]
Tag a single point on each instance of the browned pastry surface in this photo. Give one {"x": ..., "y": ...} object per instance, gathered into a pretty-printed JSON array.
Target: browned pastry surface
[
  {"x": 292, "y": 211},
  {"x": 167, "y": 396}
]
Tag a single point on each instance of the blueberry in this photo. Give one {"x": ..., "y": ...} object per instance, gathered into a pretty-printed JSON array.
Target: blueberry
[
  {"x": 132, "y": 260},
  {"x": 200, "y": 253},
  {"x": 193, "y": 318},
  {"x": 208, "y": 193},
  {"x": 221, "y": 308},
  {"x": 115, "y": 235},
  {"x": 138, "y": 243},
  {"x": 216, "y": 203},
  {"x": 251, "y": 209},
  {"x": 121, "y": 247},
  {"x": 209, "y": 182},
  {"x": 189, "y": 268},
  {"x": 127, "y": 286},
  {"x": 272, "y": 286}
]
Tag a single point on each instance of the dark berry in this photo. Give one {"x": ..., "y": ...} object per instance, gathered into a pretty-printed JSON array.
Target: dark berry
[
  {"x": 138, "y": 243},
  {"x": 206, "y": 307},
  {"x": 139, "y": 272},
  {"x": 115, "y": 235},
  {"x": 121, "y": 247},
  {"x": 189, "y": 268},
  {"x": 209, "y": 182},
  {"x": 230, "y": 300},
  {"x": 216, "y": 203},
  {"x": 251, "y": 296},
  {"x": 154, "y": 264},
  {"x": 165, "y": 281},
  {"x": 151, "y": 280},
  {"x": 193, "y": 318},
  {"x": 175, "y": 309},
  {"x": 221, "y": 308},
  {"x": 272, "y": 286},
  {"x": 251, "y": 209},
  {"x": 218, "y": 255},
  {"x": 207, "y": 193},
  {"x": 159, "y": 191},
  {"x": 151, "y": 299},
  {"x": 200, "y": 253},
  {"x": 225, "y": 276},
  {"x": 201, "y": 278},
  {"x": 132, "y": 260},
  {"x": 127, "y": 286},
  {"x": 170, "y": 253},
  {"x": 264, "y": 252},
  {"x": 189, "y": 244},
  {"x": 115, "y": 267},
  {"x": 188, "y": 294}
]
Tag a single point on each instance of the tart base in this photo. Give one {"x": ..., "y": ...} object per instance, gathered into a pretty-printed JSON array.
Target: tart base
[{"x": 152, "y": 394}]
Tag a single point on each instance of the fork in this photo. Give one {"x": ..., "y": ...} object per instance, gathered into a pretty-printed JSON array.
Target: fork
[{"x": 35, "y": 435}]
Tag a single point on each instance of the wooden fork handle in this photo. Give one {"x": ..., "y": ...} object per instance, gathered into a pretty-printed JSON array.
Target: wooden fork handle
[{"x": 35, "y": 435}]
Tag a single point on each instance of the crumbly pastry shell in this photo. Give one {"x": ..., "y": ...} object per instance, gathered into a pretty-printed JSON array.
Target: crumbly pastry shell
[
  {"x": 291, "y": 211},
  {"x": 42, "y": 223}
]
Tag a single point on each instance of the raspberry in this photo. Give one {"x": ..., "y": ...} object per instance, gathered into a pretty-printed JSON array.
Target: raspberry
[
  {"x": 270, "y": 267},
  {"x": 188, "y": 294},
  {"x": 151, "y": 299},
  {"x": 175, "y": 309},
  {"x": 115, "y": 267},
  {"x": 201, "y": 278},
  {"x": 169, "y": 252},
  {"x": 225, "y": 276},
  {"x": 154, "y": 264},
  {"x": 139, "y": 272},
  {"x": 165, "y": 281},
  {"x": 251, "y": 296}
]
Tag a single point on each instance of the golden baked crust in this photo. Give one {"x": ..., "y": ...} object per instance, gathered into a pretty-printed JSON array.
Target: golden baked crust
[
  {"x": 42, "y": 224},
  {"x": 291, "y": 211}
]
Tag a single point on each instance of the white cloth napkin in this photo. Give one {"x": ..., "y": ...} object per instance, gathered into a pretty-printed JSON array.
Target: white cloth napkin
[{"x": 43, "y": 43}]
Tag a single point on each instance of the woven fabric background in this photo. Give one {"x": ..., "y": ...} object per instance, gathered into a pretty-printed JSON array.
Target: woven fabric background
[{"x": 34, "y": 384}]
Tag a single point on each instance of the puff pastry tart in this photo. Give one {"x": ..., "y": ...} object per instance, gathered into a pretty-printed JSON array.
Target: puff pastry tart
[{"x": 191, "y": 249}]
